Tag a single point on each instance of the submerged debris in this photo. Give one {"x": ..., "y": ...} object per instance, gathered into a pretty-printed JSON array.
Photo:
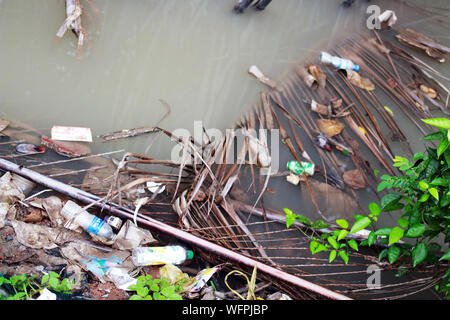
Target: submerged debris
[
  {"x": 420, "y": 41},
  {"x": 68, "y": 149},
  {"x": 255, "y": 72},
  {"x": 127, "y": 133},
  {"x": 28, "y": 148}
]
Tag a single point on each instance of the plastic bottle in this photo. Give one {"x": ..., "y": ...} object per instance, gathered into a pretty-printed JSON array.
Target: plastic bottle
[
  {"x": 87, "y": 221},
  {"x": 150, "y": 256},
  {"x": 298, "y": 169},
  {"x": 338, "y": 62}
]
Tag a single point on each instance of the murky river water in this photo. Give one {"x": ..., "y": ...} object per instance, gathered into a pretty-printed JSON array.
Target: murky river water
[{"x": 193, "y": 54}]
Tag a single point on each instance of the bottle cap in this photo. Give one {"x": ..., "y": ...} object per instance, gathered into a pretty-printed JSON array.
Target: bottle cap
[
  {"x": 356, "y": 67},
  {"x": 190, "y": 254}
]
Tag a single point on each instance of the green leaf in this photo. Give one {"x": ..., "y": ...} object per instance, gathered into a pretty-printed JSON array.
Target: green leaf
[
  {"x": 383, "y": 185},
  {"x": 395, "y": 235},
  {"x": 333, "y": 242},
  {"x": 135, "y": 297},
  {"x": 424, "y": 197},
  {"x": 438, "y": 122},
  {"x": 167, "y": 291},
  {"x": 383, "y": 254},
  {"x": 434, "y": 193},
  {"x": 403, "y": 223},
  {"x": 383, "y": 231},
  {"x": 344, "y": 256},
  {"x": 142, "y": 291},
  {"x": 419, "y": 253},
  {"x": 390, "y": 202},
  {"x": 353, "y": 244},
  {"x": 290, "y": 217},
  {"x": 320, "y": 224},
  {"x": 417, "y": 156},
  {"x": 393, "y": 254},
  {"x": 374, "y": 208},
  {"x": 360, "y": 224},
  {"x": 423, "y": 185},
  {"x": 53, "y": 282},
  {"x": 371, "y": 238},
  {"x": 154, "y": 287},
  {"x": 45, "y": 279},
  {"x": 332, "y": 256},
  {"x": 443, "y": 145},
  {"x": 342, "y": 234},
  {"x": 434, "y": 136},
  {"x": 415, "y": 230},
  {"x": 342, "y": 223},
  {"x": 313, "y": 246},
  {"x": 302, "y": 219},
  {"x": 445, "y": 256}
]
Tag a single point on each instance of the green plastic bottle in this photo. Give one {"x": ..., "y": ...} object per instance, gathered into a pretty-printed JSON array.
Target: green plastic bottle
[{"x": 298, "y": 169}]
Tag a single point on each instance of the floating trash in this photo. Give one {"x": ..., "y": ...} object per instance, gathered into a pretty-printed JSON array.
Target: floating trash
[{"x": 28, "y": 148}]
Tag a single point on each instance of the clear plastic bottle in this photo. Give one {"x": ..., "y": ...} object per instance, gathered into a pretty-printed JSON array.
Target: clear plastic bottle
[
  {"x": 150, "y": 256},
  {"x": 338, "y": 62},
  {"x": 87, "y": 221}
]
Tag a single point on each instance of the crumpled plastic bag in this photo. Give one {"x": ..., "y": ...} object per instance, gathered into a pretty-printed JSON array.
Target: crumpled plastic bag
[
  {"x": 9, "y": 192},
  {"x": 130, "y": 236},
  {"x": 52, "y": 206},
  {"x": 96, "y": 261},
  {"x": 4, "y": 208},
  {"x": 40, "y": 237}
]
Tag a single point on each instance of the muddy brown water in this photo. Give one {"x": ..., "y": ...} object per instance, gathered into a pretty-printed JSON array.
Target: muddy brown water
[{"x": 193, "y": 54}]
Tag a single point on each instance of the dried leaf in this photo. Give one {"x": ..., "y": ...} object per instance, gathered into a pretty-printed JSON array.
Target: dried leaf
[
  {"x": 317, "y": 73},
  {"x": 330, "y": 127},
  {"x": 320, "y": 108},
  {"x": 432, "y": 93},
  {"x": 355, "y": 179},
  {"x": 418, "y": 40},
  {"x": 361, "y": 82}
]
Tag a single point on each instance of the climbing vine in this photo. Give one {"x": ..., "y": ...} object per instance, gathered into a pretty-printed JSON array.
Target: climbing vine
[{"x": 421, "y": 193}]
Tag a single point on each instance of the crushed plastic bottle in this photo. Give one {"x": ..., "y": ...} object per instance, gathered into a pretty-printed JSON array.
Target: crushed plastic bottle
[
  {"x": 338, "y": 62},
  {"x": 87, "y": 221},
  {"x": 298, "y": 169},
  {"x": 150, "y": 256}
]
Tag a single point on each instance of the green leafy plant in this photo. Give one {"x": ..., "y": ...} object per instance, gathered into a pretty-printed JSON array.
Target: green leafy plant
[
  {"x": 148, "y": 288},
  {"x": 421, "y": 193},
  {"x": 25, "y": 287},
  {"x": 53, "y": 282}
]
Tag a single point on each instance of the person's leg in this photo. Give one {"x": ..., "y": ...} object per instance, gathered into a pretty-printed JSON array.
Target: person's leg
[
  {"x": 262, "y": 4},
  {"x": 242, "y": 5}
]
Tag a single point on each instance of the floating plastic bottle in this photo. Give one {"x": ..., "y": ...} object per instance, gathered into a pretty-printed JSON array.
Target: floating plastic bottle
[
  {"x": 87, "y": 221},
  {"x": 298, "y": 169},
  {"x": 338, "y": 62},
  {"x": 150, "y": 256}
]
